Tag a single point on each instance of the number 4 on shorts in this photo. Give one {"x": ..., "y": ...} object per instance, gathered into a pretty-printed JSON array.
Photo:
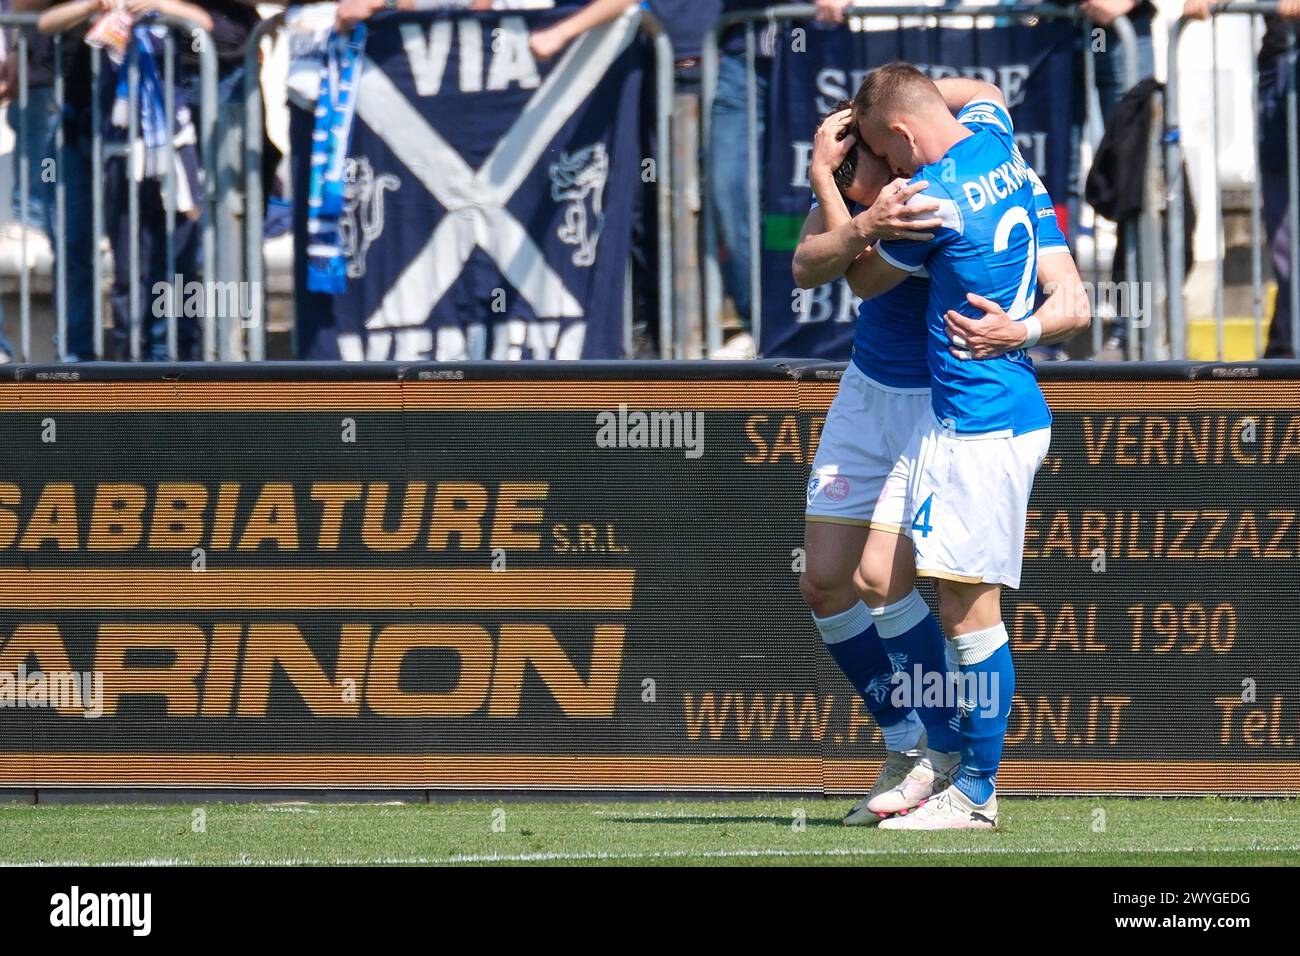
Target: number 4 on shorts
[{"x": 921, "y": 522}]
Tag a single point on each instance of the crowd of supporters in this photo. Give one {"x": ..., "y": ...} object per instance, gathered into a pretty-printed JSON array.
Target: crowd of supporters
[{"x": 107, "y": 24}]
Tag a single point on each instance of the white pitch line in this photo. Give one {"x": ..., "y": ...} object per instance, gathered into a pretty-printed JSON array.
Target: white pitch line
[
  {"x": 1293, "y": 822},
  {"x": 601, "y": 856},
  {"x": 686, "y": 814},
  {"x": 663, "y": 815},
  {"x": 112, "y": 863},
  {"x": 286, "y": 810}
]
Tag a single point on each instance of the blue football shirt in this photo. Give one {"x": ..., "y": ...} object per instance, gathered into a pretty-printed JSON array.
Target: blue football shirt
[
  {"x": 890, "y": 334},
  {"x": 988, "y": 244}
]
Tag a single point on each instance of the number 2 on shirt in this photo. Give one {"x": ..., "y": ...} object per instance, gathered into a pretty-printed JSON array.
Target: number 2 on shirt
[{"x": 1018, "y": 216}]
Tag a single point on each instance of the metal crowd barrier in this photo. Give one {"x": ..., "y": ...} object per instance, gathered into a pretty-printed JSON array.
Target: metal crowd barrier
[
  {"x": 254, "y": 201},
  {"x": 665, "y": 78},
  {"x": 664, "y": 87},
  {"x": 1174, "y": 178},
  {"x": 1134, "y": 248},
  {"x": 713, "y": 294},
  {"x": 200, "y": 42}
]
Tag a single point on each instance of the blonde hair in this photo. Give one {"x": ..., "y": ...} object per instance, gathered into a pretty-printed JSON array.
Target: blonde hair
[{"x": 893, "y": 89}]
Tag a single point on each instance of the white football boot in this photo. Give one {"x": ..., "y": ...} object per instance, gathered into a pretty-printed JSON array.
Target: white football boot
[
  {"x": 933, "y": 773},
  {"x": 950, "y": 810},
  {"x": 898, "y": 764}
]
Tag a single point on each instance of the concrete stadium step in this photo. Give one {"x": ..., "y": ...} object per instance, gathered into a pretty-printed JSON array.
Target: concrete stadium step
[
  {"x": 1239, "y": 333},
  {"x": 1238, "y": 339}
]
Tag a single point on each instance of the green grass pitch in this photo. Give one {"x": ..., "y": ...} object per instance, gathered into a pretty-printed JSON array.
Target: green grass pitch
[{"x": 1048, "y": 832}]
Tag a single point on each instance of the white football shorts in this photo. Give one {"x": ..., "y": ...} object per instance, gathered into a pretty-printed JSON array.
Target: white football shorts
[
  {"x": 854, "y": 477},
  {"x": 966, "y": 501}
]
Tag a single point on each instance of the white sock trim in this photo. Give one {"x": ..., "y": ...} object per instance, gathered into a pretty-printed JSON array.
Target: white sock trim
[
  {"x": 895, "y": 620},
  {"x": 979, "y": 646},
  {"x": 847, "y": 624}
]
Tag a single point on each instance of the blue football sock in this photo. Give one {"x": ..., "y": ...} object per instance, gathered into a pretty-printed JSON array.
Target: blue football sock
[
  {"x": 988, "y": 681},
  {"x": 857, "y": 649},
  {"x": 914, "y": 643}
]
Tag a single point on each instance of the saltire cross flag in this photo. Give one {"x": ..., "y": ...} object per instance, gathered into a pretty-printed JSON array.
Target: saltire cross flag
[{"x": 488, "y": 209}]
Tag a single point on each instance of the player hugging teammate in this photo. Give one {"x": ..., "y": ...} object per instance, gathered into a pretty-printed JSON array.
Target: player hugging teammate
[{"x": 929, "y": 450}]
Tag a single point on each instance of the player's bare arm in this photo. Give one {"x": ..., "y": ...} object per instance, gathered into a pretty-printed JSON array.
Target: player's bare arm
[
  {"x": 889, "y": 217},
  {"x": 1064, "y": 312},
  {"x": 870, "y": 275},
  {"x": 958, "y": 92},
  {"x": 832, "y": 238},
  {"x": 825, "y": 248}
]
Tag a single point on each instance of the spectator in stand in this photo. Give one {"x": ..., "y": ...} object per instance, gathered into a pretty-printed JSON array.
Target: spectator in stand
[
  {"x": 832, "y": 11},
  {"x": 308, "y": 27},
  {"x": 33, "y": 127},
  {"x": 728, "y": 165},
  {"x": 228, "y": 25},
  {"x": 72, "y": 167},
  {"x": 544, "y": 43},
  {"x": 728, "y": 160},
  {"x": 233, "y": 23},
  {"x": 1109, "y": 59},
  {"x": 1111, "y": 65},
  {"x": 686, "y": 22},
  {"x": 1271, "y": 131}
]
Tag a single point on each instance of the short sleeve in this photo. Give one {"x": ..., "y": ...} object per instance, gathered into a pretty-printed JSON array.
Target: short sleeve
[
  {"x": 910, "y": 254},
  {"x": 1051, "y": 239},
  {"x": 986, "y": 114}
]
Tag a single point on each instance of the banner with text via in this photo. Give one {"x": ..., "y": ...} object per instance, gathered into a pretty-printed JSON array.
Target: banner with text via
[{"x": 488, "y": 193}]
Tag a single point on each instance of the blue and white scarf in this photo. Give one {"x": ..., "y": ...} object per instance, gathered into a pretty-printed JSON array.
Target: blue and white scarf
[
  {"x": 335, "y": 107},
  {"x": 149, "y": 151}
]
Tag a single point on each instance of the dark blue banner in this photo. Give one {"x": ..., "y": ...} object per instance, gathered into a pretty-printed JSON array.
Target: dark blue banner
[
  {"x": 1034, "y": 66},
  {"x": 489, "y": 194}
]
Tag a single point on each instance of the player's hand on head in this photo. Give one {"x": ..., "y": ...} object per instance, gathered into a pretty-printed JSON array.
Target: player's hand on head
[
  {"x": 994, "y": 333},
  {"x": 832, "y": 142},
  {"x": 900, "y": 213}
]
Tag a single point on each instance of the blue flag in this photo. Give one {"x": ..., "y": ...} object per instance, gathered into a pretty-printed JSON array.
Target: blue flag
[
  {"x": 488, "y": 195},
  {"x": 1033, "y": 66}
]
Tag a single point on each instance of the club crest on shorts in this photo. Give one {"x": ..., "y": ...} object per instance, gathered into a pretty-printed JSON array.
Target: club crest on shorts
[{"x": 837, "y": 489}]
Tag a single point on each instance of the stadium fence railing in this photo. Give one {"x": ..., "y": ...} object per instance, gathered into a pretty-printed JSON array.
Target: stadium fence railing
[
  {"x": 231, "y": 224},
  {"x": 751, "y": 20},
  {"x": 1173, "y": 147},
  {"x": 216, "y": 342},
  {"x": 663, "y": 105}
]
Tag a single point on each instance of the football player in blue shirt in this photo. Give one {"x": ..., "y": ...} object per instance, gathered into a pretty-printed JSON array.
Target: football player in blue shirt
[
  {"x": 982, "y": 546},
  {"x": 858, "y": 580}
]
